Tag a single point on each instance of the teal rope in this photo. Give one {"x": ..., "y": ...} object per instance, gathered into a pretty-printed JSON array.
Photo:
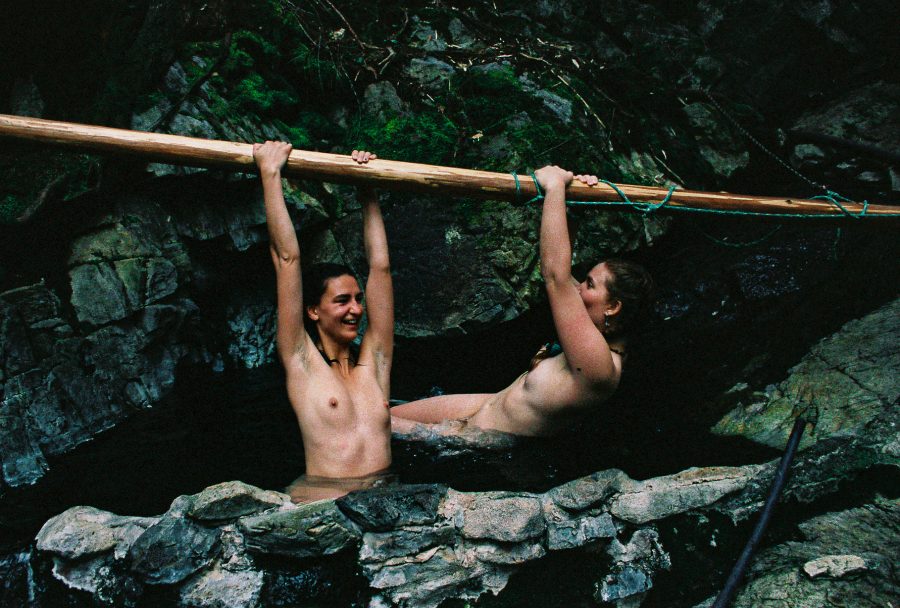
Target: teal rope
[
  {"x": 650, "y": 207},
  {"x": 646, "y": 207},
  {"x": 518, "y": 188},
  {"x": 742, "y": 244},
  {"x": 835, "y": 199},
  {"x": 537, "y": 187}
]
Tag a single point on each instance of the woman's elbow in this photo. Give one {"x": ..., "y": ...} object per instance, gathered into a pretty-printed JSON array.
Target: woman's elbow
[
  {"x": 382, "y": 266},
  {"x": 285, "y": 256}
]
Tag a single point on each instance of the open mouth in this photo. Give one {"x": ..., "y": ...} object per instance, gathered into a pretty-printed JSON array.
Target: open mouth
[{"x": 352, "y": 322}]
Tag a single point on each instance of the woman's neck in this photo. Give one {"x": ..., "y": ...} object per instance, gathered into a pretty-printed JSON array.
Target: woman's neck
[{"x": 336, "y": 353}]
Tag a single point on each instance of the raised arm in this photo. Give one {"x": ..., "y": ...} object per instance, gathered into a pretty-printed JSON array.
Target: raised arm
[
  {"x": 586, "y": 350},
  {"x": 285, "y": 249},
  {"x": 378, "y": 344}
]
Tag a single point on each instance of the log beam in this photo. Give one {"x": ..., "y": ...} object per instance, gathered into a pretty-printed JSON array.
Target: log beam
[{"x": 432, "y": 179}]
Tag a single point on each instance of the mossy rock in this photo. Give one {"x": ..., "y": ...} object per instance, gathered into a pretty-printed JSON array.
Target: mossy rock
[{"x": 34, "y": 177}]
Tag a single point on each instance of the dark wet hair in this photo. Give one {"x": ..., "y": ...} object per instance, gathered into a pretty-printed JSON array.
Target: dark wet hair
[
  {"x": 315, "y": 281},
  {"x": 632, "y": 285}
]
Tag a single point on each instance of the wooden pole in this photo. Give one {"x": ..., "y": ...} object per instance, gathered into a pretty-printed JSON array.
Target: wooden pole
[{"x": 390, "y": 174}]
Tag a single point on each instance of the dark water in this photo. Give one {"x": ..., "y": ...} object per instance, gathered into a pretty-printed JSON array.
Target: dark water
[{"x": 239, "y": 425}]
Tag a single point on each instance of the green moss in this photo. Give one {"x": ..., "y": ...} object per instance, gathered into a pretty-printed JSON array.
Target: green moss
[
  {"x": 426, "y": 137},
  {"x": 253, "y": 42},
  {"x": 319, "y": 127},
  {"x": 316, "y": 70},
  {"x": 148, "y": 100},
  {"x": 254, "y": 94},
  {"x": 11, "y": 207},
  {"x": 495, "y": 79},
  {"x": 297, "y": 135},
  {"x": 28, "y": 173}
]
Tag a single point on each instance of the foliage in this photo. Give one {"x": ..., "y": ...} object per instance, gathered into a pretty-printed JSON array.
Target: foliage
[
  {"x": 425, "y": 137},
  {"x": 315, "y": 70},
  {"x": 29, "y": 172},
  {"x": 11, "y": 207}
]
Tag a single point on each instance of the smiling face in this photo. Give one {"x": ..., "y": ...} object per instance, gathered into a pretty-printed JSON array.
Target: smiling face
[
  {"x": 339, "y": 310},
  {"x": 595, "y": 295}
]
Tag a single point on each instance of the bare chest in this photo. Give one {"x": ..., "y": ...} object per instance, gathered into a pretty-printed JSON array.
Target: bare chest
[
  {"x": 352, "y": 402},
  {"x": 551, "y": 387}
]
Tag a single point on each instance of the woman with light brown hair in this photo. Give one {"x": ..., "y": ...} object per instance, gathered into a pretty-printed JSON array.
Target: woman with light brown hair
[{"x": 591, "y": 319}]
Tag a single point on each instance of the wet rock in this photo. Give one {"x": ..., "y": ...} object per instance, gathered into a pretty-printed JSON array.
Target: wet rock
[
  {"x": 382, "y": 101},
  {"x": 251, "y": 333},
  {"x": 113, "y": 243},
  {"x": 381, "y": 509},
  {"x": 432, "y": 73},
  {"x": 844, "y": 383},
  {"x": 644, "y": 501},
  {"x": 807, "y": 155},
  {"x": 40, "y": 376},
  {"x": 233, "y": 499},
  {"x": 85, "y": 532},
  {"x": 173, "y": 548},
  {"x": 635, "y": 565},
  {"x": 420, "y": 545},
  {"x": 861, "y": 114},
  {"x": 423, "y": 36},
  {"x": 16, "y": 577},
  {"x": 97, "y": 294},
  {"x": 501, "y": 516},
  {"x": 89, "y": 548},
  {"x": 834, "y": 566},
  {"x": 517, "y": 553},
  {"x": 863, "y": 541},
  {"x": 384, "y": 546},
  {"x": 724, "y": 150},
  {"x": 318, "y": 528},
  {"x": 460, "y": 35},
  {"x": 558, "y": 106},
  {"x": 428, "y": 578},
  {"x": 588, "y": 491},
  {"x": 565, "y": 533},
  {"x": 220, "y": 588}
]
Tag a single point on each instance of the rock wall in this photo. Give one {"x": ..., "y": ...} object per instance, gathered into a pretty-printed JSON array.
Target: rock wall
[
  {"x": 114, "y": 274},
  {"x": 418, "y": 545}
]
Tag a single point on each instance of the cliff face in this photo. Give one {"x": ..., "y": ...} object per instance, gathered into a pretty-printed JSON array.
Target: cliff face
[
  {"x": 419, "y": 544},
  {"x": 114, "y": 275}
]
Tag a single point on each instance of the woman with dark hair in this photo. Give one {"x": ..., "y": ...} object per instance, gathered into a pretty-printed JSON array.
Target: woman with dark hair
[
  {"x": 583, "y": 370},
  {"x": 341, "y": 400}
]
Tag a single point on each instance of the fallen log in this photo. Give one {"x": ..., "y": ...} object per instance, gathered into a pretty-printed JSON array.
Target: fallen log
[{"x": 397, "y": 175}]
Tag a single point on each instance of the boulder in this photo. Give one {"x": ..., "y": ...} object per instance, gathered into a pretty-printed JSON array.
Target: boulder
[
  {"x": 233, "y": 499},
  {"x": 83, "y": 532},
  {"x": 220, "y": 588},
  {"x": 173, "y": 549},
  {"x": 842, "y": 385},
  {"x": 318, "y": 528},
  {"x": 845, "y": 558},
  {"x": 498, "y": 516}
]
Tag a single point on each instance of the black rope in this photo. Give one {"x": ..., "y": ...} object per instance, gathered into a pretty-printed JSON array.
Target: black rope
[{"x": 737, "y": 573}]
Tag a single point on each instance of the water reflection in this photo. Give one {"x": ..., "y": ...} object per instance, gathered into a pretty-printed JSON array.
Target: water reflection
[{"x": 310, "y": 488}]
